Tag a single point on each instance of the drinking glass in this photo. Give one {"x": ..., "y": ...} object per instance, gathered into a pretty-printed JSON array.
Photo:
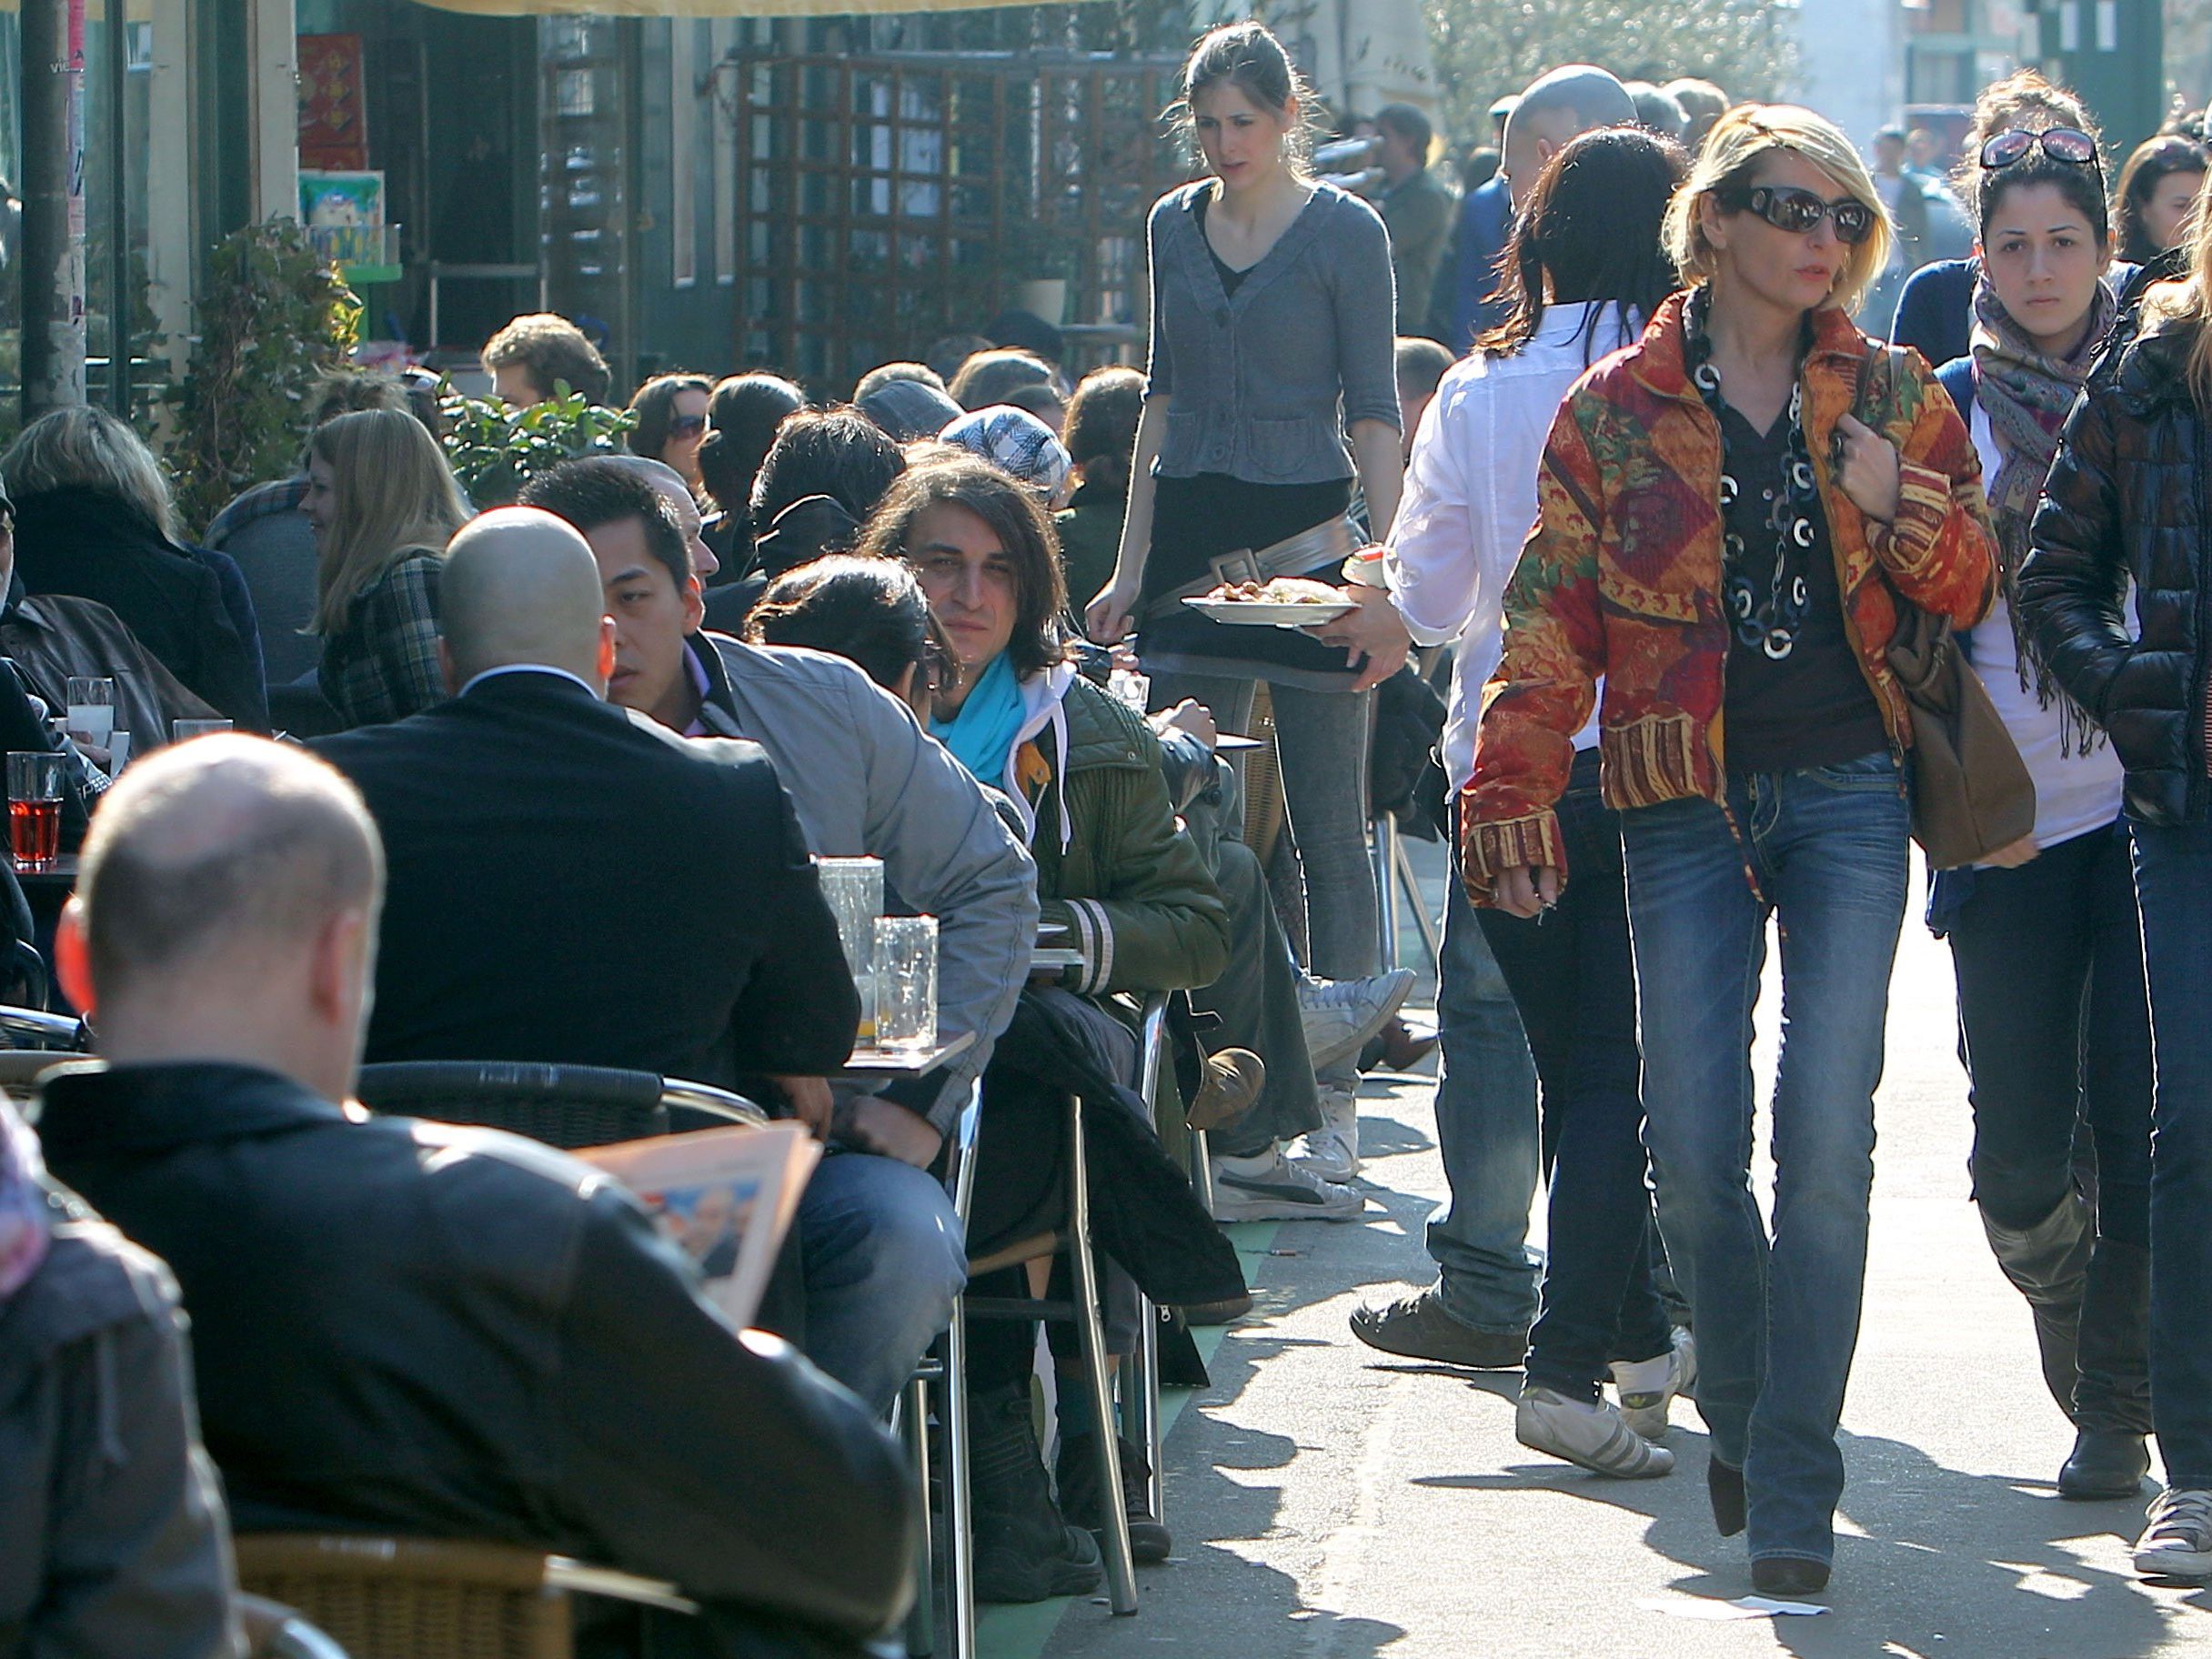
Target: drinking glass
[
  {"x": 35, "y": 809},
  {"x": 92, "y": 709},
  {"x": 118, "y": 752},
  {"x": 183, "y": 731},
  {"x": 853, "y": 889},
  {"x": 1132, "y": 688},
  {"x": 906, "y": 982}
]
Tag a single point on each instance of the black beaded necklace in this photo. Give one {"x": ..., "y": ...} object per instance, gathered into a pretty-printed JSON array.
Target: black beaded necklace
[{"x": 1771, "y": 621}]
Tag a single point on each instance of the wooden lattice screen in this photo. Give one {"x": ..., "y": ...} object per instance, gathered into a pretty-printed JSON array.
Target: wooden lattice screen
[{"x": 887, "y": 200}]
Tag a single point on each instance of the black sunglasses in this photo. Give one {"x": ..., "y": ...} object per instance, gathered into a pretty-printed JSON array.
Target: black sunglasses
[
  {"x": 2066, "y": 143},
  {"x": 1788, "y": 208},
  {"x": 686, "y": 425}
]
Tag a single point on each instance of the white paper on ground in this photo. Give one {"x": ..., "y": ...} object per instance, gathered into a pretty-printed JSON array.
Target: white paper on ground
[{"x": 1715, "y": 1612}]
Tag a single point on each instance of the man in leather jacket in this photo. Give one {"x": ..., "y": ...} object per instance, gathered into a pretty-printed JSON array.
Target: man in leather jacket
[{"x": 412, "y": 1327}]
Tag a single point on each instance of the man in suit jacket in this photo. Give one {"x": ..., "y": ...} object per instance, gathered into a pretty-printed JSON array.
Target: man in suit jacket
[
  {"x": 562, "y": 879},
  {"x": 412, "y": 1327},
  {"x": 571, "y": 886}
]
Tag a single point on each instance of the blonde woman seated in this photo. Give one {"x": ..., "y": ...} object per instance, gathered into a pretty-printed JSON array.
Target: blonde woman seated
[{"x": 383, "y": 503}]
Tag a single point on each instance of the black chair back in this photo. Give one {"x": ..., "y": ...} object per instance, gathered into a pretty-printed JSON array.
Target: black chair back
[{"x": 564, "y": 1106}]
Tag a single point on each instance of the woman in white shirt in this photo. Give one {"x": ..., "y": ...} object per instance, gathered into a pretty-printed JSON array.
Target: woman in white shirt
[
  {"x": 1585, "y": 268},
  {"x": 2049, "y": 954}
]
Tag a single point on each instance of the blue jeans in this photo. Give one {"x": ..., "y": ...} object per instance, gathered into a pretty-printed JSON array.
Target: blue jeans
[
  {"x": 2174, "y": 883},
  {"x": 1574, "y": 982},
  {"x": 1321, "y": 748},
  {"x": 1777, "y": 1319},
  {"x": 1486, "y": 1130},
  {"x": 883, "y": 1258}
]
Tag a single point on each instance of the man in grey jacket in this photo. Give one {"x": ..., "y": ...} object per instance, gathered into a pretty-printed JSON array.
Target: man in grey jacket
[{"x": 864, "y": 778}]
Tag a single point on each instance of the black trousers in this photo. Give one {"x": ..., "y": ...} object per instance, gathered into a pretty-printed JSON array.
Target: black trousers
[
  {"x": 2054, "y": 1029},
  {"x": 1573, "y": 978}
]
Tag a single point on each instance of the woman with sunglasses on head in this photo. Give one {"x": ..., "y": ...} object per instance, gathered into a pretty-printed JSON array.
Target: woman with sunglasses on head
[
  {"x": 2124, "y": 505},
  {"x": 1271, "y": 385},
  {"x": 1935, "y": 311},
  {"x": 671, "y": 411},
  {"x": 2048, "y": 953},
  {"x": 1727, "y": 544}
]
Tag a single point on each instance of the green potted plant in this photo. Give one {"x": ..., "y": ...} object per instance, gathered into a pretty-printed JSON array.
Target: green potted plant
[
  {"x": 496, "y": 450},
  {"x": 273, "y": 320}
]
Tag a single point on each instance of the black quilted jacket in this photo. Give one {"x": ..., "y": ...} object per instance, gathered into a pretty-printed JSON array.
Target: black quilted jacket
[{"x": 2127, "y": 500}]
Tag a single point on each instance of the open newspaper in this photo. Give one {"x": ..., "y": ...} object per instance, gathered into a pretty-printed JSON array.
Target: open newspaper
[{"x": 725, "y": 1197}]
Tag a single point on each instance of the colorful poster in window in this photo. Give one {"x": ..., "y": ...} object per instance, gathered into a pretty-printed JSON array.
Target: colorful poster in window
[{"x": 333, "y": 106}]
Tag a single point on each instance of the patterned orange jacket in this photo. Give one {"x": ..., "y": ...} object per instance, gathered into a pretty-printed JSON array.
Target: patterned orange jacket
[{"x": 1621, "y": 580}]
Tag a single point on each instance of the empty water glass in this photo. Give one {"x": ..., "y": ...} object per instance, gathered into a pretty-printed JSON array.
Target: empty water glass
[
  {"x": 185, "y": 730},
  {"x": 906, "y": 982},
  {"x": 92, "y": 709},
  {"x": 853, "y": 890},
  {"x": 1132, "y": 688}
]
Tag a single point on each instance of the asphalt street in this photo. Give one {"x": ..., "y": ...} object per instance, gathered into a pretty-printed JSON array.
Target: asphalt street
[{"x": 1331, "y": 1502}]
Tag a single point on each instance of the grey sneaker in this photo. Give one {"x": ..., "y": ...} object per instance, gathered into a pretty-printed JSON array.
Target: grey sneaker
[
  {"x": 1647, "y": 1387},
  {"x": 1420, "y": 1327},
  {"x": 1271, "y": 1187},
  {"x": 1341, "y": 1015},
  {"x": 1594, "y": 1436},
  {"x": 2178, "y": 1544},
  {"x": 1331, "y": 1152}
]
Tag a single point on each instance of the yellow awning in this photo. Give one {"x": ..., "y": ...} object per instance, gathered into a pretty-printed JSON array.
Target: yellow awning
[{"x": 702, "y": 8}]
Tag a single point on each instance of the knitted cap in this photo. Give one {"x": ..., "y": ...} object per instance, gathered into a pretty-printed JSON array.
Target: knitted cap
[{"x": 1016, "y": 441}]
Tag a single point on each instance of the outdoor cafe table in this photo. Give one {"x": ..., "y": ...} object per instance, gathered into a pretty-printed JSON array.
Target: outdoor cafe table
[
  {"x": 61, "y": 873},
  {"x": 877, "y": 1065}
]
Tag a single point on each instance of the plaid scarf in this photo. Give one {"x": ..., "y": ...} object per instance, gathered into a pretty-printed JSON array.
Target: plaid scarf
[{"x": 2027, "y": 394}]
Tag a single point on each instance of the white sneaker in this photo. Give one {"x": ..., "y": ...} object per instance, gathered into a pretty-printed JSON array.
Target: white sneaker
[
  {"x": 1685, "y": 1363},
  {"x": 1341, "y": 1015},
  {"x": 1333, "y": 1150},
  {"x": 2178, "y": 1544},
  {"x": 1648, "y": 1387},
  {"x": 1271, "y": 1187},
  {"x": 1593, "y": 1436}
]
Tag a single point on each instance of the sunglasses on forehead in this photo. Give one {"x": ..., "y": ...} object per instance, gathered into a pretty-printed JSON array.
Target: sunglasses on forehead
[
  {"x": 2066, "y": 143},
  {"x": 1789, "y": 208}
]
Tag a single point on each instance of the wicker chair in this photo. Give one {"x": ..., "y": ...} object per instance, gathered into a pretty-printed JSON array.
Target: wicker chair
[
  {"x": 404, "y": 1598},
  {"x": 274, "y": 1631},
  {"x": 565, "y": 1106},
  {"x": 417, "y": 1598}
]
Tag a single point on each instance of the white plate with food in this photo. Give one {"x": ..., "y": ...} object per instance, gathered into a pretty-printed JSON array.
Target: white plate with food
[{"x": 1288, "y": 602}]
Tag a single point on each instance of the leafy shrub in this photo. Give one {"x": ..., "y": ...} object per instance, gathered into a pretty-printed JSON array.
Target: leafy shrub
[
  {"x": 272, "y": 318},
  {"x": 495, "y": 450}
]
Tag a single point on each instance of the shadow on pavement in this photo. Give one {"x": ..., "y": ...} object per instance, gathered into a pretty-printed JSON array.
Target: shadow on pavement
[
  {"x": 1208, "y": 1598},
  {"x": 1928, "y": 1560}
]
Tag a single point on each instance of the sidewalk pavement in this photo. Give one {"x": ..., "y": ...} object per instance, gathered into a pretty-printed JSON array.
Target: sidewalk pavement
[{"x": 1331, "y": 1502}]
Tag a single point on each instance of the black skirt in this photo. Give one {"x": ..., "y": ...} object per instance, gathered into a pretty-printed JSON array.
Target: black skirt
[{"x": 1198, "y": 519}]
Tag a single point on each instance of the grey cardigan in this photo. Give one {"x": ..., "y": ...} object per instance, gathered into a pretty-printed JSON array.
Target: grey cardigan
[{"x": 1266, "y": 382}]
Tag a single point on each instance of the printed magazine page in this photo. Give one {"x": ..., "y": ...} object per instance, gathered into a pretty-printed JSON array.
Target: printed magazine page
[{"x": 723, "y": 1196}]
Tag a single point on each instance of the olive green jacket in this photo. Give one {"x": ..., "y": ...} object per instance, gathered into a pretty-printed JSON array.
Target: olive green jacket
[{"x": 1116, "y": 871}]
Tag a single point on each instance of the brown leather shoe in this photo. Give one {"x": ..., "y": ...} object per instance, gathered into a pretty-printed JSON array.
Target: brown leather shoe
[
  {"x": 1234, "y": 1079},
  {"x": 1396, "y": 1049}
]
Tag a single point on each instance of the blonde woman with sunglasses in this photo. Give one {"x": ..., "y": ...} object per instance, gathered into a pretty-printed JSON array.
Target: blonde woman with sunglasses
[{"x": 1726, "y": 544}]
